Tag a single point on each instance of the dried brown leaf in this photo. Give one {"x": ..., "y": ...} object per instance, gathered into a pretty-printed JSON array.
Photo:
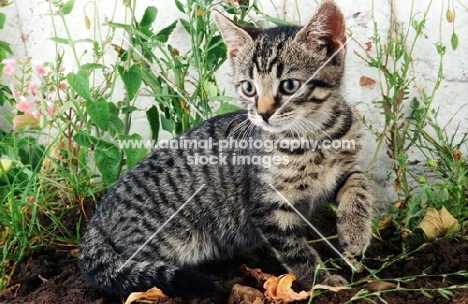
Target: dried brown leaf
[
  {"x": 378, "y": 286},
  {"x": 152, "y": 294},
  {"x": 366, "y": 81},
  {"x": 279, "y": 288},
  {"x": 332, "y": 288},
  {"x": 436, "y": 223},
  {"x": 385, "y": 222},
  {"x": 256, "y": 273},
  {"x": 245, "y": 295},
  {"x": 368, "y": 46}
]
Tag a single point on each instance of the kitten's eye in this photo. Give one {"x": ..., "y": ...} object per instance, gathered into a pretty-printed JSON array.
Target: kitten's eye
[
  {"x": 248, "y": 88},
  {"x": 289, "y": 86}
]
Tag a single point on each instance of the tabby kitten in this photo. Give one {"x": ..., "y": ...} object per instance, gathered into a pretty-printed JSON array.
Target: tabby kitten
[{"x": 223, "y": 208}]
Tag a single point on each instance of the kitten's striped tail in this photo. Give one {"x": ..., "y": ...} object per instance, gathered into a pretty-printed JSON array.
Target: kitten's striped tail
[{"x": 105, "y": 270}]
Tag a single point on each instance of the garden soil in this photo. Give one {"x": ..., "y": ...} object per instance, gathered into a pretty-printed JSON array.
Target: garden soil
[{"x": 51, "y": 275}]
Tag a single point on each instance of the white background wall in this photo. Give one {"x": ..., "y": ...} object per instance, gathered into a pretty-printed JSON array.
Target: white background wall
[{"x": 29, "y": 27}]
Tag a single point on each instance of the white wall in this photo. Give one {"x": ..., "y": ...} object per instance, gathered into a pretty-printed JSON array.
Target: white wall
[{"x": 29, "y": 27}]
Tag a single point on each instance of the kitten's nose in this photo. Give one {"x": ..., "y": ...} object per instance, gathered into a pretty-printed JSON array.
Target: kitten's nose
[{"x": 266, "y": 115}]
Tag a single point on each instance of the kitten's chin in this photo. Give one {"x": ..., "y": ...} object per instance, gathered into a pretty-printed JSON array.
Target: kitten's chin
[
  {"x": 272, "y": 129},
  {"x": 268, "y": 127}
]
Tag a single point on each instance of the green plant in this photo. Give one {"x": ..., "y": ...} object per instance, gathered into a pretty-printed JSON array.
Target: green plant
[{"x": 407, "y": 117}]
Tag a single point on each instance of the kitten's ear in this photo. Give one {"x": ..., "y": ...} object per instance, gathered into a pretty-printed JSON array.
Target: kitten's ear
[
  {"x": 326, "y": 30},
  {"x": 234, "y": 35}
]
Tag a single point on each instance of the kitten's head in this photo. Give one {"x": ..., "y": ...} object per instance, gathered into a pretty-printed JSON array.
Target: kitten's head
[{"x": 272, "y": 67}]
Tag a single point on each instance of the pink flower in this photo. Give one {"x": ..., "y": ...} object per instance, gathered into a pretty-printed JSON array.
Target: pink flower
[
  {"x": 63, "y": 85},
  {"x": 9, "y": 67},
  {"x": 39, "y": 69},
  {"x": 36, "y": 114},
  {"x": 33, "y": 88},
  {"x": 15, "y": 92},
  {"x": 24, "y": 105},
  {"x": 51, "y": 110}
]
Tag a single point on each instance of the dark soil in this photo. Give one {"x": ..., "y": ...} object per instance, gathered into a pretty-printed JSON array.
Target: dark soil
[{"x": 51, "y": 276}]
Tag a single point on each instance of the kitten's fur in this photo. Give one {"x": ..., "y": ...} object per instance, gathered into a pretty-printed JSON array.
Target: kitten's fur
[{"x": 238, "y": 209}]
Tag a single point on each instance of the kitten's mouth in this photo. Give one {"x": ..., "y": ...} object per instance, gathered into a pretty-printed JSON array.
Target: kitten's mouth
[{"x": 271, "y": 124}]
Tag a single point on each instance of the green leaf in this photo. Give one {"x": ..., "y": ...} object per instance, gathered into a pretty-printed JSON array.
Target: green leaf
[
  {"x": 98, "y": 111},
  {"x": 129, "y": 109},
  {"x": 167, "y": 124},
  {"x": 92, "y": 66},
  {"x": 226, "y": 108},
  {"x": 60, "y": 40},
  {"x": 278, "y": 21},
  {"x": 149, "y": 16},
  {"x": 454, "y": 41},
  {"x": 84, "y": 139},
  {"x": 119, "y": 25},
  {"x": 107, "y": 158},
  {"x": 426, "y": 294},
  {"x": 153, "y": 118},
  {"x": 113, "y": 109},
  {"x": 445, "y": 293},
  {"x": 6, "y": 46},
  {"x": 186, "y": 25},
  {"x": 2, "y": 20},
  {"x": 67, "y": 7},
  {"x": 133, "y": 154},
  {"x": 116, "y": 124},
  {"x": 27, "y": 120},
  {"x": 2, "y": 95},
  {"x": 132, "y": 80},
  {"x": 180, "y": 6},
  {"x": 80, "y": 83},
  {"x": 163, "y": 35}
]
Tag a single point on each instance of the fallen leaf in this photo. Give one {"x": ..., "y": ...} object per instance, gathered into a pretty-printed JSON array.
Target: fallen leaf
[
  {"x": 436, "y": 223},
  {"x": 396, "y": 185},
  {"x": 368, "y": 46},
  {"x": 385, "y": 222},
  {"x": 150, "y": 295},
  {"x": 456, "y": 154},
  {"x": 256, "y": 273},
  {"x": 245, "y": 295},
  {"x": 332, "y": 288},
  {"x": 378, "y": 286},
  {"x": 399, "y": 204},
  {"x": 279, "y": 288},
  {"x": 366, "y": 81}
]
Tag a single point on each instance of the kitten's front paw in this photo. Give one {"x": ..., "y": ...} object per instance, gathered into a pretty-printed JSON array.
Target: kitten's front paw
[{"x": 354, "y": 238}]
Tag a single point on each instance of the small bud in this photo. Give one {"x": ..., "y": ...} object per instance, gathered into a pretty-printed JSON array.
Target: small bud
[
  {"x": 449, "y": 15},
  {"x": 422, "y": 180},
  {"x": 456, "y": 154},
  {"x": 6, "y": 164},
  {"x": 87, "y": 22},
  {"x": 174, "y": 52},
  {"x": 432, "y": 163}
]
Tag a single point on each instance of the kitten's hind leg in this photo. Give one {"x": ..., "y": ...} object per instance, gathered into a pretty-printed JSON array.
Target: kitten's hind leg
[{"x": 354, "y": 215}]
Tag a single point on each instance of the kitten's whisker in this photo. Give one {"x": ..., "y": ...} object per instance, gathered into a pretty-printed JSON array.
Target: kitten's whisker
[
  {"x": 318, "y": 128},
  {"x": 237, "y": 129}
]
